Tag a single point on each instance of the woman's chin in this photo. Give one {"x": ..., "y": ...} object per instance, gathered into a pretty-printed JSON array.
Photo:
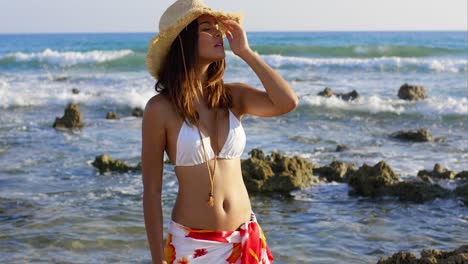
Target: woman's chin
[{"x": 220, "y": 55}]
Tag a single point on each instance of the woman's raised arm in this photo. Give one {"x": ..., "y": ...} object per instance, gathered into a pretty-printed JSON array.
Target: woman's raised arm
[{"x": 278, "y": 99}]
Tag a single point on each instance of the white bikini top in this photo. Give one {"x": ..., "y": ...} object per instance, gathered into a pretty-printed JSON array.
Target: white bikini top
[{"x": 189, "y": 150}]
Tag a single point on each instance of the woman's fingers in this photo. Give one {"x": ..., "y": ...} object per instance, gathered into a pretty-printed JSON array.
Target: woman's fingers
[
  {"x": 236, "y": 36},
  {"x": 230, "y": 24},
  {"x": 229, "y": 36}
]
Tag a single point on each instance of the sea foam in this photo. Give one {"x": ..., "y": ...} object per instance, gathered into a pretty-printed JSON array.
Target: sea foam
[
  {"x": 379, "y": 64},
  {"x": 375, "y": 104},
  {"x": 69, "y": 58},
  {"x": 125, "y": 91}
]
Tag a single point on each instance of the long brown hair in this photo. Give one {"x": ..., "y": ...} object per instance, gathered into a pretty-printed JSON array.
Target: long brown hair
[{"x": 182, "y": 85}]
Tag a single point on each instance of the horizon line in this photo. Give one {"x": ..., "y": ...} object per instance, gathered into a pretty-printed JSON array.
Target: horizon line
[{"x": 248, "y": 31}]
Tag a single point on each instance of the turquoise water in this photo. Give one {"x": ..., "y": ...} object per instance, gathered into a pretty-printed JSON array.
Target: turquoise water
[{"x": 54, "y": 207}]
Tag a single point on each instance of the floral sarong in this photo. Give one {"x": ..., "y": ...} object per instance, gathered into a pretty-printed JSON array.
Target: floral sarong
[{"x": 247, "y": 245}]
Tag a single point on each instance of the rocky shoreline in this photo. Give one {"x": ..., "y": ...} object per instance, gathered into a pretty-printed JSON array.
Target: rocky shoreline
[
  {"x": 276, "y": 173},
  {"x": 429, "y": 256}
]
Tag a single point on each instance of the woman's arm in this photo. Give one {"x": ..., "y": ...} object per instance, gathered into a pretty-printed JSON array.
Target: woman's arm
[
  {"x": 152, "y": 155},
  {"x": 278, "y": 99}
]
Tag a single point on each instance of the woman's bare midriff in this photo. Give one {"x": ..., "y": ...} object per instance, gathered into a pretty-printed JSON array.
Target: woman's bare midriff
[{"x": 232, "y": 204}]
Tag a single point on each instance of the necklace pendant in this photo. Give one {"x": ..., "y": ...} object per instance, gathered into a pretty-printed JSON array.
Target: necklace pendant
[{"x": 211, "y": 200}]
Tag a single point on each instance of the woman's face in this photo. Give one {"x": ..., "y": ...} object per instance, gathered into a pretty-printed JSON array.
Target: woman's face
[{"x": 210, "y": 40}]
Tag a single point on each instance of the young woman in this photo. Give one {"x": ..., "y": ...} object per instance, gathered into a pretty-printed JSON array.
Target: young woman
[{"x": 196, "y": 119}]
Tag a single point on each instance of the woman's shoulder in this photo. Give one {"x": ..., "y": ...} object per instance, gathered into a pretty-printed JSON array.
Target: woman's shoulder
[
  {"x": 158, "y": 100},
  {"x": 159, "y": 107}
]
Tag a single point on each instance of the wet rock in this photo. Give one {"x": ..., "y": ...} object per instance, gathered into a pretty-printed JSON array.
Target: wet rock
[
  {"x": 104, "y": 163},
  {"x": 137, "y": 167},
  {"x": 61, "y": 79},
  {"x": 275, "y": 173},
  {"x": 380, "y": 180},
  {"x": 112, "y": 115},
  {"x": 255, "y": 173},
  {"x": 341, "y": 147},
  {"x": 462, "y": 192},
  {"x": 137, "y": 111},
  {"x": 463, "y": 175},
  {"x": 337, "y": 171},
  {"x": 418, "y": 192},
  {"x": 75, "y": 91},
  {"x": 438, "y": 172},
  {"x": 402, "y": 257},
  {"x": 328, "y": 92},
  {"x": 429, "y": 256},
  {"x": 257, "y": 153},
  {"x": 412, "y": 92},
  {"x": 421, "y": 135},
  {"x": 353, "y": 95},
  {"x": 424, "y": 178},
  {"x": 71, "y": 119},
  {"x": 372, "y": 181}
]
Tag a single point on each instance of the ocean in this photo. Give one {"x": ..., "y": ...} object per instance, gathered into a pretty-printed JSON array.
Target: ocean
[{"x": 56, "y": 208}]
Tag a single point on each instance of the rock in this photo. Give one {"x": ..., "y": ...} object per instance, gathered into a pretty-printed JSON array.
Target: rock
[
  {"x": 462, "y": 192},
  {"x": 275, "y": 173},
  {"x": 418, "y": 192},
  {"x": 438, "y": 173},
  {"x": 463, "y": 175},
  {"x": 328, "y": 92},
  {"x": 104, "y": 163},
  {"x": 111, "y": 115},
  {"x": 421, "y": 135},
  {"x": 75, "y": 91},
  {"x": 137, "y": 167},
  {"x": 402, "y": 257},
  {"x": 380, "y": 180},
  {"x": 429, "y": 256},
  {"x": 337, "y": 171},
  {"x": 71, "y": 119},
  {"x": 341, "y": 147},
  {"x": 137, "y": 111},
  {"x": 425, "y": 178},
  {"x": 353, "y": 95},
  {"x": 372, "y": 181},
  {"x": 61, "y": 79},
  {"x": 412, "y": 92},
  {"x": 255, "y": 173},
  {"x": 257, "y": 153}
]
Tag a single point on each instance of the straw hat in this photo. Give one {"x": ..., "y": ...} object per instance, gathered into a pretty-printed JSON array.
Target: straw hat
[{"x": 175, "y": 18}]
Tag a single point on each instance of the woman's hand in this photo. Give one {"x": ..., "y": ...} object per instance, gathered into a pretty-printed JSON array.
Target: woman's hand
[{"x": 236, "y": 37}]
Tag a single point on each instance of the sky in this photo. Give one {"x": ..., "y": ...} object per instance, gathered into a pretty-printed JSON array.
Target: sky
[{"x": 70, "y": 16}]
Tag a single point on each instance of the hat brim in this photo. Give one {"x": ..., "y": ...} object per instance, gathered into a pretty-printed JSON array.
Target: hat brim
[{"x": 159, "y": 46}]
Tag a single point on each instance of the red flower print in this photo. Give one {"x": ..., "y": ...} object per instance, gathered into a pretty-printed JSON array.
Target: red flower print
[
  {"x": 169, "y": 252},
  {"x": 235, "y": 254},
  {"x": 200, "y": 252},
  {"x": 184, "y": 260}
]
